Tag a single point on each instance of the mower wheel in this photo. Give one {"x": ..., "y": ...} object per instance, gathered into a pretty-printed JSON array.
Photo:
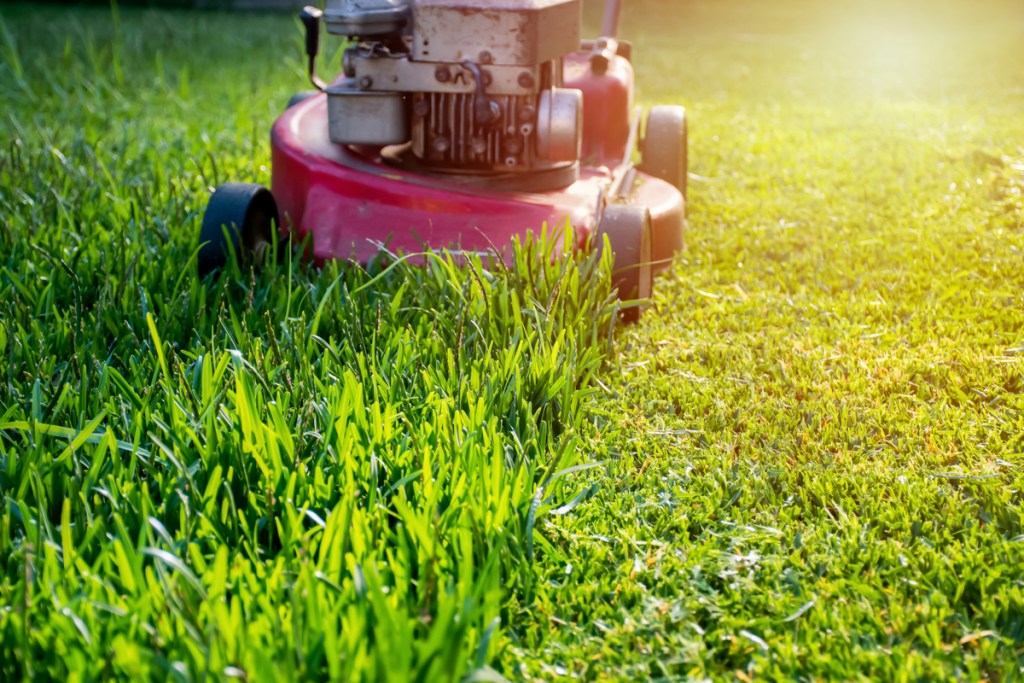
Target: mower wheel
[
  {"x": 628, "y": 227},
  {"x": 663, "y": 150},
  {"x": 241, "y": 218},
  {"x": 300, "y": 97}
]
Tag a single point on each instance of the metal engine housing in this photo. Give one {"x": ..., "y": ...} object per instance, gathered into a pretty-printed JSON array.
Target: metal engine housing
[{"x": 460, "y": 87}]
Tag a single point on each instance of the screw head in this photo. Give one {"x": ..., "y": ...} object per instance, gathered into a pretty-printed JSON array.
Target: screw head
[
  {"x": 365, "y": 82},
  {"x": 442, "y": 74},
  {"x": 526, "y": 79}
]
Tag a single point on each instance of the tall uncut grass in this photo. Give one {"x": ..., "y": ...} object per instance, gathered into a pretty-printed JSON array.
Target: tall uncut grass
[{"x": 289, "y": 473}]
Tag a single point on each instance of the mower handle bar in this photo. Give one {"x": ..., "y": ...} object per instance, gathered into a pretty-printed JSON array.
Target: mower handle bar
[{"x": 610, "y": 25}]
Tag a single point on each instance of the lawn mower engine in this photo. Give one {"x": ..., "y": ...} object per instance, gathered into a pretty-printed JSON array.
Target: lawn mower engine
[
  {"x": 468, "y": 89},
  {"x": 460, "y": 125}
]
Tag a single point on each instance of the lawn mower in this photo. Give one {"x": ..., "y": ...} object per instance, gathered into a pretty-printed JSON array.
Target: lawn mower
[{"x": 458, "y": 125}]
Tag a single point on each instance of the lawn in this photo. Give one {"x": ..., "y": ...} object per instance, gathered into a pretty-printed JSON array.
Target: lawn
[{"x": 805, "y": 462}]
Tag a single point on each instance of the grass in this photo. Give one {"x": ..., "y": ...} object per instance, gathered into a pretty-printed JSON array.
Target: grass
[
  {"x": 804, "y": 463},
  {"x": 298, "y": 474}
]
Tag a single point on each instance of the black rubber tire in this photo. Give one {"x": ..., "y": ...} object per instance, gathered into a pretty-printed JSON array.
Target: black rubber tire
[
  {"x": 301, "y": 96},
  {"x": 663, "y": 150},
  {"x": 241, "y": 218},
  {"x": 628, "y": 227}
]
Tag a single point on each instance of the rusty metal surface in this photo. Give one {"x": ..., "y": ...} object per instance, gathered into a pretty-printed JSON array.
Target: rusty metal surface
[
  {"x": 366, "y": 17},
  {"x": 524, "y": 32},
  {"x": 401, "y": 73}
]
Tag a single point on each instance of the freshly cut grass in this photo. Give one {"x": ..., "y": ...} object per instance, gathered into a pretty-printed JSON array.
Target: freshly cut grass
[{"x": 822, "y": 419}]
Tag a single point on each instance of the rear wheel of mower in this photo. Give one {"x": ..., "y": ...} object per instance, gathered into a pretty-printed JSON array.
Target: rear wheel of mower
[
  {"x": 241, "y": 218},
  {"x": 663, "y": 151},
  {"x": 628, "y": 228}
]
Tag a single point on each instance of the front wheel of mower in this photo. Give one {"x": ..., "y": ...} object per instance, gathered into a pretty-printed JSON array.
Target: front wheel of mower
[
  {"x": 628, "y": 228},
  {"x": 663, "y": 150},
  {"x": 241, "y": 219}
]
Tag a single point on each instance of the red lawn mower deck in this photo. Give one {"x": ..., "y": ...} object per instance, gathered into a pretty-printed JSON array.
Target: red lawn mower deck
[{"x": 459, "y": 125}]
